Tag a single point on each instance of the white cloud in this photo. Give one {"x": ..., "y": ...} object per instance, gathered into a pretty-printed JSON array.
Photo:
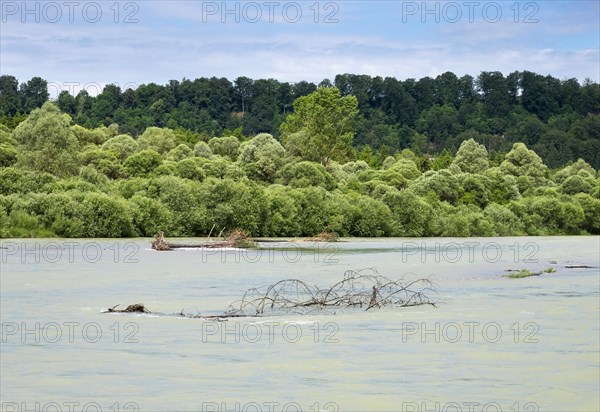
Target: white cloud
[{"x": 146, "y": 52}]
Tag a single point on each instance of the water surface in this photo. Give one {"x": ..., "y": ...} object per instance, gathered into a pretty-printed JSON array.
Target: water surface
[{"x": 525, "y": 344}]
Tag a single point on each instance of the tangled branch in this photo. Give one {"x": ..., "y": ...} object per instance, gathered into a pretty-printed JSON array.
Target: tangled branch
[{"x": 363, "y": 288}]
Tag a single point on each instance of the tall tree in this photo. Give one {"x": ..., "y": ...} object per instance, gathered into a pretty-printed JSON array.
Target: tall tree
[
  {"x": 325, "y": 121},
  {"x": 34, "y": 93},
  {"x": 9, "y": 95},
  {"x": 47, "y": 142}
]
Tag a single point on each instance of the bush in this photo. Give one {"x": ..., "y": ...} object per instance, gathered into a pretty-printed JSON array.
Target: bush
[
  {"x": 157, "y": 139},
  {"x": 284, "y": 210},
  {"x": 411, "y": 215},
  {"x": 228, "y": 146},
  {"x": 182, "y": 198},
  {"x": 577, "y": 184},
  {"x": 121, "y": 146},
  {"x": 103, "y": 161},
  {"x": 261, "y": 157},
  {"x": 105, "y": 216},
  {"x": 179, "y": 153},
  {"x": 442, "y": 183},
  {"x": 202, "y": 149},
  {"x": 188, "y": 169},
  {"x": 503, "y": 220},
  {"x": 591, "y": 212},
  {"x": 239, "y": 205},
  {"x": 13, "y": 180},
  {"x": 367, "y": 217},
  {"x": 466, "y": 221},
  {"x": 306, "y": 174},
  {"x": 57, "y": 212},
  {"x": 143, "y": 163},
  {"x": 314, "y": 210},
  {"x": 150, "y": 216}
]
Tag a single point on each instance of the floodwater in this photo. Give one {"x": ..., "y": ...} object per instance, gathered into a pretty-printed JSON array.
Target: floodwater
[{"x": 491, "y": 343}]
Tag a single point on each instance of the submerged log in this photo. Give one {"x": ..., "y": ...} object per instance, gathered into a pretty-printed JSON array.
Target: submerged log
[{"x": 140, "y": 308}]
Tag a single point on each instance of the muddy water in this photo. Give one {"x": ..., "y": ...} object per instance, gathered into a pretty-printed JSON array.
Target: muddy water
[{"x": 491, "y": 343}]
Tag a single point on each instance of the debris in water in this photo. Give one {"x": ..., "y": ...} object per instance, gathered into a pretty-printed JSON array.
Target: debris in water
[{"x": 360, "y": 289}]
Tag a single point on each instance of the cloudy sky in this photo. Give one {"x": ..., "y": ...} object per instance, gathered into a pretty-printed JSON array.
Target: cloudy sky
[{"x": 133, "y": 42}]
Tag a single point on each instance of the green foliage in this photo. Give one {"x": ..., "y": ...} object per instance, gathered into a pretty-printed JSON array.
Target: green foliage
[
  {"x": 93, "y": 176},
  {"x": 262, "y": 156},
  {"x": 503, "y": 220},
  {"x": 157, "y": 139},
  {"x": 182, "y": 198},
  {"x": 122, "y": 146},
  {"x": 143, "y": 163},
  {"x": 179, "y": 153},
  {"x": 475, "y": 189},
  {"x": 366, "y": 217},
  {"x": 150, "y": 216},
  {"x": 443, "y": 161},
  {"x": 104, "y": 161},
  {"x": 442, "y": 184},
  {"x": 591, "y": 212},
  {"x": 577, "y": 184},
  {"x": 84, "y": 136},
  {"x": 523, "y": 273},
  {"x": 189, "y": 169},
  {"x": 325, "y": 119},
  {"x": 412, "y": 216},
  {"x": 47, "y": 143},
  {"x": 8, "y": 155},
  {"x": 228, "y": 146},
  {"x": 13, "y": 180},
  {"x": 526, "y": 165},
  {"x": 283, "y": 212},
  {"x": 306, "y": 174},
  {"x": 105, "y": 216},
  {"x": 464, "y": 221},
  {"x": 315, "y": 210},
  {"x": 202, "y": 149},
  {"x": 231, "y": 204},
  {"x": 57, "y": 179},
  {"x": 471, "y": 157}
]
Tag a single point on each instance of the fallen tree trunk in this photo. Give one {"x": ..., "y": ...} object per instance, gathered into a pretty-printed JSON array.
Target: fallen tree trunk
[{"x": 237, "y": 239}]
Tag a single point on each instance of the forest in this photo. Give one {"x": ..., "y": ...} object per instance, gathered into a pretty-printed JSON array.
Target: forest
[{"x": 361, "y": 156}]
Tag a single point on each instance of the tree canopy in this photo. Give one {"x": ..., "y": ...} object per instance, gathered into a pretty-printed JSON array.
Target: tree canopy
[
  {"x": 558, "y": 118},
  {"x": 323, "y": 125}
]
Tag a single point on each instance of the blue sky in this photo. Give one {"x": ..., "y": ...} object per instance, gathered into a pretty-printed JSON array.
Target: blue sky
[{"x": 91, "y": 42}]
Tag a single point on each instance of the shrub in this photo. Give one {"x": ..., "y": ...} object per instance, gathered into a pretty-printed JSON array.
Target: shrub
[
  {"x": 143, "y": 163},
  {"x": 105, "y": 216}
]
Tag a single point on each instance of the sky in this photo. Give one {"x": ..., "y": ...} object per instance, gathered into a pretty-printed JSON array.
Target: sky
[{"x": 77, "y": 44}]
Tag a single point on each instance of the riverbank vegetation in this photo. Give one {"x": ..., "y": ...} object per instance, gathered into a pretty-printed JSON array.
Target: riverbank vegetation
[{"x": 59, "y": 178}]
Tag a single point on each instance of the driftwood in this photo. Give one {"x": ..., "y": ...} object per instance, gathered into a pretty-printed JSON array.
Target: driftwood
[
  {"x": 324, "y": 236},
  {"x": 135, "y": 308},
  {"x": 237, "y": 239},
  {"x": 579, "y": 267},
  {"x": 358, "y": 289},
  {"x": 361, "y": 289}
]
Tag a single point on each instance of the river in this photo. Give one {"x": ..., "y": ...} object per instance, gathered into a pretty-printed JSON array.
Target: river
[{"x": 490, "y": 342}]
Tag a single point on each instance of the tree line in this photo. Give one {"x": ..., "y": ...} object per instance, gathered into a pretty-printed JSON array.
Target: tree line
[
  {"x": 58, "y": 178},
  {"x": 556, "y": 118}
]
